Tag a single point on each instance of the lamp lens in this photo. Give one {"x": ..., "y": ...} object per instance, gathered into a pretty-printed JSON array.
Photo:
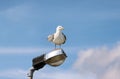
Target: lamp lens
[
  {"x": 56, "y": 57},
  {"x": 57, "y": 60}
]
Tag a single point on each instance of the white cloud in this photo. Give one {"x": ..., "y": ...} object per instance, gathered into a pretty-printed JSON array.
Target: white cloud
[
  {"x": 102, "y": 61},
  {"x": 113, "y": 72}
]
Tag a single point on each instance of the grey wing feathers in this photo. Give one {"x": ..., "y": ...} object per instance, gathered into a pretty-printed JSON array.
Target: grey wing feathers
[
  {"x": 51, "y": 37},
  {"x": 64, "y": 37}
]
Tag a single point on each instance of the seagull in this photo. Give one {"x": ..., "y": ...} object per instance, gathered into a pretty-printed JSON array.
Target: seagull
[{"x": 58, "y": 37}]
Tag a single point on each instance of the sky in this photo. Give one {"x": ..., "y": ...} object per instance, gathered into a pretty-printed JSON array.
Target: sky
[{"x": 92, "y": 28}]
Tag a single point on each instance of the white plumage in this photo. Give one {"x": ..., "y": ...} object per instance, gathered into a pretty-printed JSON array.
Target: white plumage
[{"x": 58, "y": 37}]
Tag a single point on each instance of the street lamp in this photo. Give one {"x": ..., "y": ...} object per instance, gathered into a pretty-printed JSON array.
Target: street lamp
[{"x": 54, "y": 58}]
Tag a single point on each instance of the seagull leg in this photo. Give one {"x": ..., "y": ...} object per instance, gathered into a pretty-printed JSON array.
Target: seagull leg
[
  {"x": 60, "y": 46},
  {"x": 55, "y": 46}
]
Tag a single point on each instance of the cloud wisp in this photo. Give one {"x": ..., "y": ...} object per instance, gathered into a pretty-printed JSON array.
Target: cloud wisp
[
  {"x": 26, "y": 50},
  {"x": 49, "y": 74},
  {"x": 16, "y": 13},
  {"x": 22, "y": 50},
  {"x": 13, "y": 74}
]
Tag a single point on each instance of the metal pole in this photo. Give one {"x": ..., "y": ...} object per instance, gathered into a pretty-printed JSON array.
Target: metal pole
[{"x": 30, "y": 74}]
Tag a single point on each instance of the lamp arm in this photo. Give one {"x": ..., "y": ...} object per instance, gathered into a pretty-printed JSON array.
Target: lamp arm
[{"x": 30, "y": 74}]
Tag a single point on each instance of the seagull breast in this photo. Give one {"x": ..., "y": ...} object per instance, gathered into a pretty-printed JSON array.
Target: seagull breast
[{"x": 59, "y": 38}]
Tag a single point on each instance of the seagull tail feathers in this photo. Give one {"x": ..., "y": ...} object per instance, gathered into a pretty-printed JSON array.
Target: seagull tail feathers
[{"x": 50, "y": 37}]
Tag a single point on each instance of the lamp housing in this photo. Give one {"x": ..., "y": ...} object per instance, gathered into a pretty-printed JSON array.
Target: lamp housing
[{"x": 54, "y": 58}]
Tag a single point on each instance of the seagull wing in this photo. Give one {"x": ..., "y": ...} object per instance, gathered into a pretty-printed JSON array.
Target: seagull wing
[
  {"x": 64, "y": 38},
  {"x": 50, "y": 37}
]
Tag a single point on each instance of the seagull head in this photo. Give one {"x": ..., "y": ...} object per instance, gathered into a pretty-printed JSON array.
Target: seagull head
[{"x": 60, "y": 28}]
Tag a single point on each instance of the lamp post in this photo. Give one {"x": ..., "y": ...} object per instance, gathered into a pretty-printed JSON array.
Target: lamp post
[{"x": 54, "y": 58}]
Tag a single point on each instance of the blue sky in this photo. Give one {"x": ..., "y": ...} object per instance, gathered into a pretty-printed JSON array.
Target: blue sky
[{"x": 92, "y": 28}]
